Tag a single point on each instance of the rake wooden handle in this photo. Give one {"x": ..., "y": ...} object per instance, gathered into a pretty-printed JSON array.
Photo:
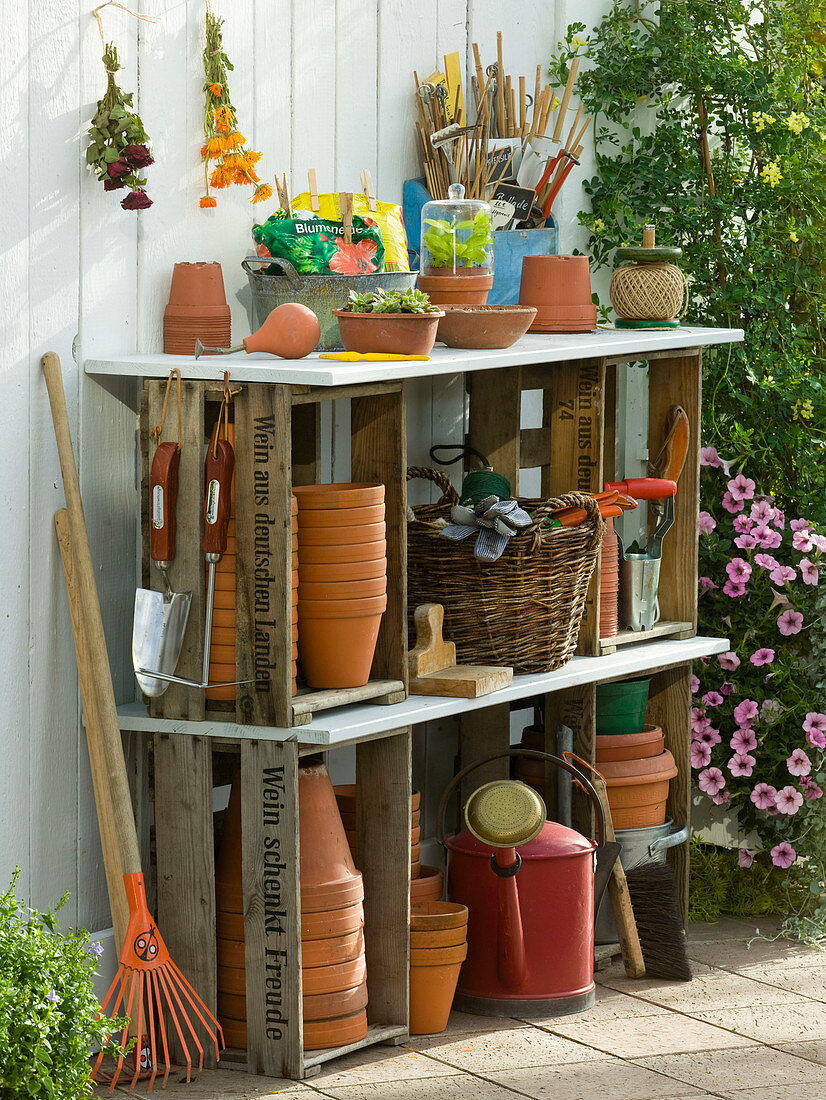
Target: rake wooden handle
[
  {"x": 103, "y": 728},
  {"x": 620, "y": 898}
]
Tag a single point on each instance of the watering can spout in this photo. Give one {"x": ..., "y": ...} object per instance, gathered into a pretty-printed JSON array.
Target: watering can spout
[{"x": 511, "y": 962}]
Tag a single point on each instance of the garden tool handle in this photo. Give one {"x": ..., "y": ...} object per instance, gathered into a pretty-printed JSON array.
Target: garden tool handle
[
  {"x": 645, "y": 488},
  {"x": 220, "y": 464},
  {"x": 533, "y": 754},
  {"x": 163, "y": 496}
]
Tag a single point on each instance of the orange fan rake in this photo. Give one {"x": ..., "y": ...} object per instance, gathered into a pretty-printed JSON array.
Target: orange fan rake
[{"x": 147, "y": 987}]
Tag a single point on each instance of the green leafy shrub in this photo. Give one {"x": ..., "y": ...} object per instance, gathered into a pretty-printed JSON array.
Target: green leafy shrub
[
  {"x": 710, "y": 120},
  {"x": 719, "y": 888},
  {"x": 460, "y": 245},
  {"x": 47, "y": 1004}
]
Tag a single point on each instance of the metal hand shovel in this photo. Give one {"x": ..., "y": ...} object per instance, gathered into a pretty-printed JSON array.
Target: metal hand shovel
[{"x": 160, "y": 617}]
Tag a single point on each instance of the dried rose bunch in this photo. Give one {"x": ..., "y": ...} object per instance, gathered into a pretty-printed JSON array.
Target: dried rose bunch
[{"x": 118, "y": 144}]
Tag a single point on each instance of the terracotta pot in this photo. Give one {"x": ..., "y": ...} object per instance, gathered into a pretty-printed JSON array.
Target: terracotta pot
[
  {"x": 436, "y": 956},
  {"x": 321, "y": 1034},
  {"x": 197, "y": 284},
  {"x": 439, "y": 937},
  {"x": 337, "y": 649},
  {"x": 388, "y": 333},
  {"x": 324, "y": 1006},
  {"x": 436, "y": 915},
  {"x": 342, "y": 590},
  {"x": 340, "y": 609},
  {"x": 223, "y": 635},
  {"x": 222, "y": 656},
  {"x": 560, "y": 289},
  {"x": 630, "y": 746},
  {"x": 232, "y": 979},
  {"x": 232, "y": 1005},
  {"x": 197, "y": 307},
  {"x": 231, "y": 953},
  {"x": 347, "y": 554},
  {"x": 344, "y": 572},
  {"x": 432, "y": 988},
  {"x": 638, "y": 789},
  {"x": 415, "y": 835},
  {"x": 484, "y": 327},
  {"x": 352, "y": 494},
  {"x": 348, "y": 817},
  {"x": 330, "y": 923},
  {"x": 235, "y": 1033},
  {"x": 330, "y": 518},
  {"x": 448, "y": 288},
  {"x": 328, "y": 875},
  {"x": 415, "y": 869},
  {"x": 338, "y": 535},
  {"x": 332, "y": 951},
  {"x": 229, "y": 926},
  {"x": 333, "y": 977},
  {"x": 428, "y": 886},
  {"x": 415, "y": 851},
  {"x": 346, "y": 798},
  {"x": 224, "y": 617}
]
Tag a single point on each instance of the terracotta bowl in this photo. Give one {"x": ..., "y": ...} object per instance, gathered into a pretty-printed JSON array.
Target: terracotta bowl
[
  {"x": 332, "y": 518},
  {"x": 388, "y": 333},
  {"x": 353, "y": 494},
  {"x": 347, "y": 554},
  {"x": 339, "y": 535},
  {"x": 481, "y": 327},
  {"x": 630, "y": 746}
]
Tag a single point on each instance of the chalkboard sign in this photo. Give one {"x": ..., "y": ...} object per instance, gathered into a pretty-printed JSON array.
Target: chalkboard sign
[{"x": 510, "y": 203}]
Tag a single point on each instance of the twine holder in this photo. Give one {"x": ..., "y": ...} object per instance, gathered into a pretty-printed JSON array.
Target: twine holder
[{"x": 649, "y": 292}]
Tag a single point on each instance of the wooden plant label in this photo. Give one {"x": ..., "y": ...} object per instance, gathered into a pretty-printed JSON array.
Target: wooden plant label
[{"x": 510, "y": 203}]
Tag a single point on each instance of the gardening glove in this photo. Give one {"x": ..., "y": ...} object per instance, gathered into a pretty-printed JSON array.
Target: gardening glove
[{"x": 494, "y": 521}]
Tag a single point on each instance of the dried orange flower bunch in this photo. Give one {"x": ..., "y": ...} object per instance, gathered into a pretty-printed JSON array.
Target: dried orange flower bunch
[{"x": 226, "y": 159}]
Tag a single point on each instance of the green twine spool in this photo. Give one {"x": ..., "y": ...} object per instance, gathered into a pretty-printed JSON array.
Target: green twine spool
[{"x": 479, "y": 484}]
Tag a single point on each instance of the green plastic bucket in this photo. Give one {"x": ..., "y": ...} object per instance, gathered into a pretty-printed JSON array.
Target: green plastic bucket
[{"x": 621, "y": 706}]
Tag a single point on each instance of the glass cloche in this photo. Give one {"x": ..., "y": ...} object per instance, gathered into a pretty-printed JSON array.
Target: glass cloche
[{"x": 456, "y": 235}]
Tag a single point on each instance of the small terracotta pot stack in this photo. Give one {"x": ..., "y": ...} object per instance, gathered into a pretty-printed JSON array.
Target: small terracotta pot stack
[
  {"x": 346, "y": 799},
  {"x": 638, "y": 770},
  {"x": 609, "y": 582},
  {"x": 438, "y": 947},
  {"x": 342, "y": 581},
  {"x": 333, "y": 966},
  {"x": 559, "y": 287},
  {"x": 427, "y": 886},
  {"x": 197, "y": 309}
]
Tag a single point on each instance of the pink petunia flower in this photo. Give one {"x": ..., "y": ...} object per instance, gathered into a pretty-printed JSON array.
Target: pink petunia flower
[
  {"x": 695, "y": 684},
  {"x": 729, "y": 661},
  {"x": 745, "y": 858},
  {"x": 799, "y": 524},
  {"x": 745, "y": 713},
  {"x": 709, "y": 457},
  {"x": 780, "y": 599},
  {"x": 746, "y": 542},
  {"x": 707, "y": 584},
  {"x": 812, "y": 790},
  {"x": 783, "y": 574},
  {"x": 743, "y": 741},
  {"x": 722, "y": 798},
  {"x": 700, "y": 754},
  {"x": 741, "y": 487},
  {"x": 769, "y": 538},
  {"x": 731, "y": 504},
  {"x": 738, "y": 570},
  {"x": 726, "y": 688},
  {"x": 788, "y": 800},
  {"x": 817, "y": 739},
  {"x": 709, "y": 736},
  {"x": 734, "y": 589},
  {"x": 799, "y": 763},
  {"x": 814, "y": 720},
  {"x": 707, "y": 523},
  {"x": 779, "y": 519},
  {"x": 802, "y": 541},
  {"x": 712, "y": 698},
  {"x": 743, "y": 523},
  {"x": 771, "y": 709},
  {"x": 711, "y": 781},
  {"x": 808, "y": 571},
  {"x": 741, "y": 764},
  {"x": 820, "y": 543},
  {"x": 762, "y": 657},
  {"x": 783, "y": 854},
  {"x": 790, "y": 622},
  {"x": 762, "y": 511},
  {"x": 763, "y": 796},
  {"x": 766, "y": 561}
]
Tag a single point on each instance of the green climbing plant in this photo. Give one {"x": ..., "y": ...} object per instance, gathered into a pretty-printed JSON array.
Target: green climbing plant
[{"x": 710, "y": 119}]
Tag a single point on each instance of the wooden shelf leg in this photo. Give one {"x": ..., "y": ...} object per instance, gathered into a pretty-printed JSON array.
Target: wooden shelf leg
[
  {"x": 574, "y": 707},
  {"x": 383, "y": 784},
  {"x": 494, "y": 421},
  {"x": 482, "y": 733},
  {"x": 186, "y": 861},
  {"x": 272, "y": 906}
]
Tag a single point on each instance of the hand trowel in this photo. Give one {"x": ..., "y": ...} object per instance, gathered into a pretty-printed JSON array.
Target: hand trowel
[{"x": 160, "y": 617}]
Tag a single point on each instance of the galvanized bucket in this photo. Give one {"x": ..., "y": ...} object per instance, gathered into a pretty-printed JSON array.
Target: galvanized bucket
[{"x": 321, "y": 293}]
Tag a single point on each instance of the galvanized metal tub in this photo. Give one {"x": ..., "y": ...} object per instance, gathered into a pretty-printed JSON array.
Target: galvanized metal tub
[{"x": 321, "y": 293}]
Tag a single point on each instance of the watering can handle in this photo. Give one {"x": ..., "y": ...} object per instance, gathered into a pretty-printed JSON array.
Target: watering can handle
[
  {"x": 285, "y": 265},
  {"x": 534, "y": 754}
]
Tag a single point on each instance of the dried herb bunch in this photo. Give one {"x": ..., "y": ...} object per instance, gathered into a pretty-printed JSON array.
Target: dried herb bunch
[
  {"x": 226, "y": 159},
  {"x": 118, "y": 144}
]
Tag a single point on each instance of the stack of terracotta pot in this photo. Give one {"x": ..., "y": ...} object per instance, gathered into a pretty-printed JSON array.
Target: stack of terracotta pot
[
  {"x": 638, "y": 770},
  {"x": 609, "y": 582},
  {"x": 559, "y": 287},
  {"x": 333, "y": 966},
  {"x": 346, "y": 799},
  {"x": 197, "y": 309},
  {"x": 438, "y": 947},
  {"x": 342, "y": 581}
]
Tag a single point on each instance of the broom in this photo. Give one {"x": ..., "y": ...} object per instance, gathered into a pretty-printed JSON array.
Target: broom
[
  {"x": 653, "y": 891},
  {"x": 148, "y": 983}
]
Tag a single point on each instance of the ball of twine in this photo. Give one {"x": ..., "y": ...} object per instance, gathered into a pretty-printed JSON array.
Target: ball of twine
[{"x": 648, "y": 292}]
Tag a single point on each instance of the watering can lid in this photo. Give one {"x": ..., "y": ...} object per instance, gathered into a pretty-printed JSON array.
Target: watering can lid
[{"x": 554, "y": 841}]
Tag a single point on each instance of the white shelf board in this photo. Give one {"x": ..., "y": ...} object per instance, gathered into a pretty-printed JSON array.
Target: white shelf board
[
  {"x": 314, "y": 371},
  {"x": 363, "y": 721}
]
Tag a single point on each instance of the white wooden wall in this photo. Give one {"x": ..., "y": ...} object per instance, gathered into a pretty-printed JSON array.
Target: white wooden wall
[{"x": 317, "y": 83}]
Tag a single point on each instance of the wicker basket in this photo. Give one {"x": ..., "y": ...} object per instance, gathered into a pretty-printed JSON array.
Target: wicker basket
[{"x": 523, "y": 610}]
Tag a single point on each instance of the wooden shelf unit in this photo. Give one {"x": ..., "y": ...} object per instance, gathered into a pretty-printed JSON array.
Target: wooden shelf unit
[{"x": 575, "y": 374}]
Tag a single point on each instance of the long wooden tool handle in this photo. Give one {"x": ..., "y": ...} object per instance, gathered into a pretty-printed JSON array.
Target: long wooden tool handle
[
  {"x": 566, "y": 98},
  {"x": 107, "y": 732},
  {"x": 97, "y": 759},
  {"x": 621, "y": 900}
]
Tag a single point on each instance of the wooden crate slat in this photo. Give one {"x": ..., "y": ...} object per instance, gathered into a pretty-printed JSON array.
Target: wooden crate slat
[
  {"x": 270, "y": 874},
  {"x": 494, "y": 420},
  {"x": 481, "y": 734}
]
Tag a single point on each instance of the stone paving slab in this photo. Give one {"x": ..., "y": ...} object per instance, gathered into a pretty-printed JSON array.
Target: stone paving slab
[
  {"x": 719, "y": 1071},
  {"x": 611, "y": 1078}
]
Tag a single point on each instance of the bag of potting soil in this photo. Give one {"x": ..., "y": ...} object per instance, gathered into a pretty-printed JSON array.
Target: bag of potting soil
[
  {"x": 316, "y": 246},
  {"x": 387, "y": 217}
]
